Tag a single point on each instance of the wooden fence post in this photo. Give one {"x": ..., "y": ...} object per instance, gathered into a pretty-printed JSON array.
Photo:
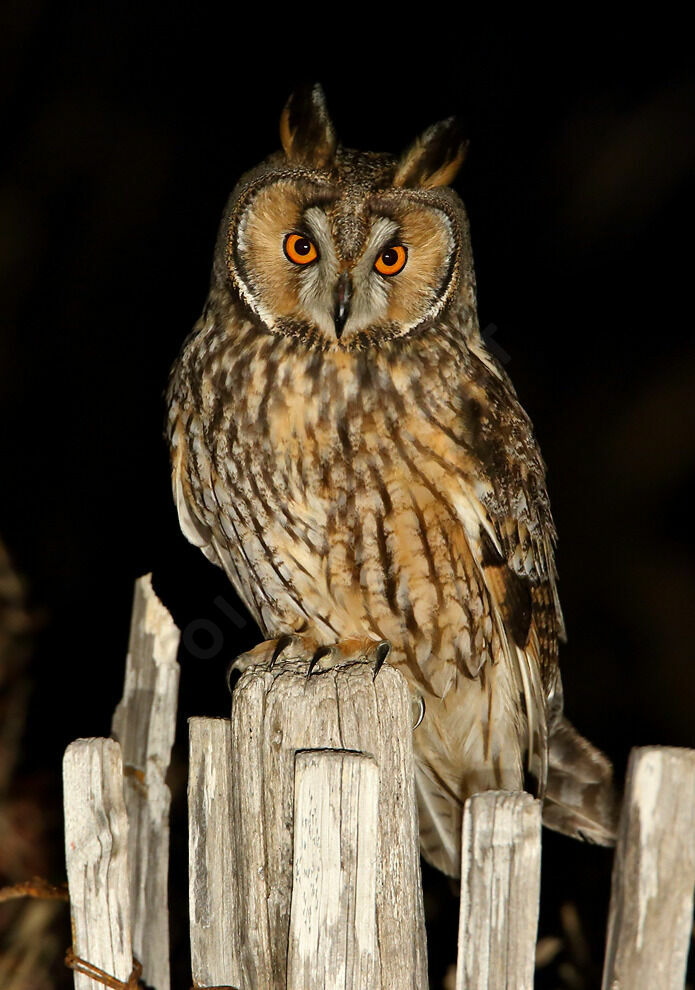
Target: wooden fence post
[
  {"x": 144, "y": 723},
  {"x": 336, "y": 800},
  {"x": 651, "y": 910},
  {"x": 278, "y": 815},
  {"x": 96, "y": 853},
  {"x": 117, "y": 812},
  {"x": 500, "y": 889},
  {"x": 211, "y": 873}
]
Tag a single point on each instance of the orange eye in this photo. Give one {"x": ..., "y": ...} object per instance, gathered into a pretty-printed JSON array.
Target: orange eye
[
  {"x": 299, "y": 249},
  {"x": 392, "y": 260}
]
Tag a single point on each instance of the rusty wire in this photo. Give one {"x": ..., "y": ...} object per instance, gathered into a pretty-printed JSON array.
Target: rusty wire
[
  {"x": 36, "y": 887},
  {"x": 80, "y": 965}
]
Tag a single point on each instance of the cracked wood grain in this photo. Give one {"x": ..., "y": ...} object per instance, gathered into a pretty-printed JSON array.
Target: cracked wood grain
[
  {"x": 651, "y": 909},
  {"x": 275, "y": 716},
  {"x": 144, "y": 723},
  {"x": 500, "y": 890},
  {"x": 96, "y": 853},
  {"x": 211, "y": 870}
]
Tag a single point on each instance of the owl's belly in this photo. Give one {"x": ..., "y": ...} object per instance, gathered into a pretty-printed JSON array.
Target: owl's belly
[
  {"x": 332, "y": 505},
  {"x": 389, "y": 562},
  {"x": 364, "y": 579}
]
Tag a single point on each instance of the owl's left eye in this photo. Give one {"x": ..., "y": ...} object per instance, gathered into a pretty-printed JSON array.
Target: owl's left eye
[
  {"x": 392, "y": 260},
  {"x": 299, "y": 249}
]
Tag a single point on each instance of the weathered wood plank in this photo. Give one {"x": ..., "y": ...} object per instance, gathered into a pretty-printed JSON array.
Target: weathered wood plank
[
  {"x": 651, "y": 909},
  {"x": 332, "y": 940},
  {"x": 144, "y": 723},
  {"x": 500, "y": 889},
  {"x": 96, "y": 853},
  {"x": 275, "y": 714},
  {"x": 211, "y": 876}
]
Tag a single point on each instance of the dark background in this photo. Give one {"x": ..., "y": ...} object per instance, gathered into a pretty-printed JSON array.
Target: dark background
[{"x": 123, "y": 131}]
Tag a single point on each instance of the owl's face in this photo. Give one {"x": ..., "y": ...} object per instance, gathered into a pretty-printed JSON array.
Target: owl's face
[{"x": 344, "y": 248}]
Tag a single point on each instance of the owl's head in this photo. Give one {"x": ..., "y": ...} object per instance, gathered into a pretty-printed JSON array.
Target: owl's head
[{"x": 344, "y": 248}]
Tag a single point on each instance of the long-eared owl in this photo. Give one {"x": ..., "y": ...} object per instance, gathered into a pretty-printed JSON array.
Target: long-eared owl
[{"x": 346, "y": 448}]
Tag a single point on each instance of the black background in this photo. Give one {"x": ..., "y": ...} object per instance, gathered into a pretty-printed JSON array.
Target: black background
[{"x": 123, "y": 131}]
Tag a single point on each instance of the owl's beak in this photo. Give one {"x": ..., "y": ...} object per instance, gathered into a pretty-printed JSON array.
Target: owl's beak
[{"x": 341, "y": 298}]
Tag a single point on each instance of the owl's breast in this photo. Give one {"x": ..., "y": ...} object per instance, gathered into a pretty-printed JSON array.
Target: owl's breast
[
  {"x": 344, "y": 491},
  {"x": 352, "y": 508}
]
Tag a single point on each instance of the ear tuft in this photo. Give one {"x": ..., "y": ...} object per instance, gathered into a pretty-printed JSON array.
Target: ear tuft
[
  {"x": 306, "y": 131},
  {"x": 434, "y": 158}
]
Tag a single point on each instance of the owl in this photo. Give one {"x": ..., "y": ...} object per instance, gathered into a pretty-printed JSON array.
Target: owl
[{"x": 346, "y": 448}]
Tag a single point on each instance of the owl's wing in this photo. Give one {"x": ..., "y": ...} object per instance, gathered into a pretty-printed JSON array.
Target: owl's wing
[
  {"x": 515, "y": 548},
  {"x": 194, "y": 526},
  {"x": 513, "y": 723},
  {"x": 512, "y": 568},
  {"x": 499, "y": 494}
]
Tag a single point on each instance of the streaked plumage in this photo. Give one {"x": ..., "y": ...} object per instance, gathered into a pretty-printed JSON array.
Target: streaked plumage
[{"x": 345, "y": 447}]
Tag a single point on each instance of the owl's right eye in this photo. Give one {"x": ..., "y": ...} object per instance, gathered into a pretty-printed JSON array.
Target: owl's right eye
[{"x": 299, "y": 249}]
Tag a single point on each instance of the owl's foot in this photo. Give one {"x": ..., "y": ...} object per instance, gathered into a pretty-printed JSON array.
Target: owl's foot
[
  {"x": 321, "y": 656},
  {"x": 292, "y": 646},
  {"x": 350, "y": 651}
]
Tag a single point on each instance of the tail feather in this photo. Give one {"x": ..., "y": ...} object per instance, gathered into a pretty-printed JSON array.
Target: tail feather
[{"x": 580, "y": 798}]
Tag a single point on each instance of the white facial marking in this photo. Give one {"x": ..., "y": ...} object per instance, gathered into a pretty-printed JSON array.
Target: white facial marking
[
  {"x": 371, "y": 290},
  {"x": 318, "y": 279}
]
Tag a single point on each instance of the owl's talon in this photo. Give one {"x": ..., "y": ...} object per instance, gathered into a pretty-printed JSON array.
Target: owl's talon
[
  {"x": 239, "y": 666},
  {"x": 418, "y": 710},
  {"x": 280, "y": 647},
  {"x": 381, "y": 653},
  {"x": 232, "y": 668},
  {"x": 322, "y": 652}
]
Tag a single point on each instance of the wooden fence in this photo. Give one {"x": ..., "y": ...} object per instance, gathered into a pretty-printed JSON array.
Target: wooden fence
[{"x": 303, "y": 843}]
